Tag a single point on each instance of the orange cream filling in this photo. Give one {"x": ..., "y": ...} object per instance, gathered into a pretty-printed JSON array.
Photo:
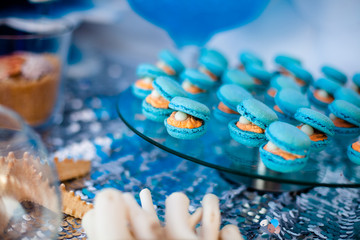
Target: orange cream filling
[
  {"x": 158, "y": 102},
  {"x": 284, "y": 71},
  {"x": 194, "y": 90},
  {"x": 271, "y": 92},
  {"x": 283, "y": 154},
  {"x": 338, "y": 122},
  {"x": 316, "y": 136},
  {"x": 276, "y": 108},
  {"x": 168, "y": 70},
  {"x": 226, "y": 109},
  {"x": 190, "y": 122},
  {"x": 356, "y": 146},
  {"x": 143, "y": 84},
  {"x": 250, "y": 127},
  {"x": 210, "y": 74},
  {"x": 323, "y": 99},
  {"x": 257, "y": 81},
  {"x": 300, "y": 82}
]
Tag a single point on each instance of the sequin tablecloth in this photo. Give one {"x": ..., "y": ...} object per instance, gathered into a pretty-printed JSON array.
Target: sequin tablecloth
[{"x": 122, "y": 160}]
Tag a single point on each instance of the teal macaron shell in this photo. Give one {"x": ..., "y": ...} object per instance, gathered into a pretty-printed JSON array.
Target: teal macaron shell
[
  {"x": 316, "y": 120},
  {"x": 212, "y": 53},
  {"x": 149, "y": 70},
  {"x": 353, "y": 155},
  {"x": 346, "y": 111},
  {"x": 334, "y": 74},
  {"x": 327, "y": 84},
  {"x": 240, "y": 78},
  {"x": 246, "y": 138},
  {"x": 288, "y": 138},
  {"x": 280, "y": 82},
  {"x": 168, "y": 88},
  {"x": 172, "y": 60},
  {"x": 290, "y": 100},
  {"x": 153, "y": 113},
  {"x": 348, "y": 95},
  {"x": 259, "y": 72},
  {"x": 231, "y": 95},
  {"x": 300, "y": 73},
  {"x": 284, "y": 60},
  {"x": 356, "y": 79},
  {"x": 185, "y": 133},
  {"x": 214, "y": 65},
  {"x": 197, "y": 78},
  {"x": 257, "y": 112},
  {"x": 247, "y": 58},
  {"x": 190, "y": 107}
]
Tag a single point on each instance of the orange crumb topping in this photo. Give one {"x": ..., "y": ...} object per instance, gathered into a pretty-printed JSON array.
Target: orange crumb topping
[
  {"x": 210, "y": 74},
  {"x": 338, "y": 122},
  {"x": 323, "y": 99},
  {"x": 226, "y": 109},
  {"x": 159, "y": 102},
  {"x": 143, "y": 85},
  {"x": 276, "y": 108},
  {"x": 190, "y": 122},
  {"x": 283, "y": 154},
  {"x": 356, "y": 146},
  {"x": 271, "y": 92},
  {"x": 317, "y": 136},
  {"x": 250, "y": 127},
  {"x": 194, "y": 90}
]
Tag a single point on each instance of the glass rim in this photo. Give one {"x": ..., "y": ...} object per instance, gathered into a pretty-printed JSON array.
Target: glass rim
[{"x": 68, "y": 27}]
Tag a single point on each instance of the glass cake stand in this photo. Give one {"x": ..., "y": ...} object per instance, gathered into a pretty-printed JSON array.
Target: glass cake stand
[{"x": 239, "y": 163}]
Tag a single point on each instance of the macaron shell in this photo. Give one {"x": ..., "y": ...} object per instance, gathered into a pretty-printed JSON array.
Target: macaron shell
[
  {"x": 231, "y": 95},
  {"x": 319, "y": 145},
  {"x": 212, "y": 53},
  {"x": 285, "y": 60},
  {"x": 316, "y": 101},
  {"x": 280, "y": 82},
  {"x": 315, "y": 119},
  {"x": 334, "y": 74},
  {"x": 247, "y": 58},
  {"x": 300, "y": 72},
  {"x": 257, "y": 112},
  {"x": 139, "y": 92},
  {"x": 353, "y": 155},
  {"x": 356, "y": 79},
  {"x": 258, "y": 72},
  {"x": 153, "y": 113},
  {"x": 198, "y": 78},
  {"x": 289, "y": 101},
  {"x": 327, "y": 84},
  {"x": 172, "y": 60},
  {"x": 149, "y": 70},
  {"x": 235, "y": 76},
  {"x": 215, "y": 66},
  {"x": 223, "y": 116},
  {"x": 190, "y": 107},
  {"x": 346, "y": 111},
  {"x": 247, "y": 138},
  {"x": 348, "y": 95},
  {"x": 185, "y": 133},
  {"x": 168, "y": 88},
  {"x": 288, "y": 137},
  {"x": 279, "y": 164},
  {"x": 347, "y": 132}
]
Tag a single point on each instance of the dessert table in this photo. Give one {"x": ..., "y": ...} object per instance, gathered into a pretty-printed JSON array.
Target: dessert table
[{"x": 120, "y": 159}]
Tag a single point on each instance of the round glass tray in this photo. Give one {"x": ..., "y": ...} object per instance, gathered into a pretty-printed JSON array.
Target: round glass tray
[{"x": 216, "y": 149}]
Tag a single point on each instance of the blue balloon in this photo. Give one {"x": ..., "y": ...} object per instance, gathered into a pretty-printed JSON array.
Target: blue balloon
[{"x": 194, "y": 22}]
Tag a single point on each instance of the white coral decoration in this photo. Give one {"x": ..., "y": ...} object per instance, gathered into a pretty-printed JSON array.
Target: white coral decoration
[{"x": 117, "y": 215}]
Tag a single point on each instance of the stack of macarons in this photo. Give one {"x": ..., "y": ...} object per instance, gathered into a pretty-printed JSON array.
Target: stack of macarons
[
  {"x": 248, "y": 58},
  {"x": 196, "y": 83},
  {"x": 241, "y": 78},
  {"x": 323, "y": 93},
  {"x": 334, "y": 74},
  {"x": 169, "y": 63},
  {"x": 212, "y": 63},
  {"x": 346, "y": 118},
  {"x": 277, "y": 83}
]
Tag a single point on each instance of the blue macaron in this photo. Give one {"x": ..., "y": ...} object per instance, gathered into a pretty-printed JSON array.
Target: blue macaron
[
  {"x": 235, "y": 76},
  {"x": 335, "y": 74},
  {"x": 317, "y": 126},
  {"x": 248, "y": 58},
  {"x": 171, "y": 61},
  {"x": 346, "y": 117},
  {"x": 259, "y": 73},
  {"x": 165, "y": 89},
  {"x": 285, "y": 60},
  {"x": 187, "y": 109},
  {"x": 211, "y": 66},
  {"x": 353, "y": 155},
  {"x": 216, "y": 55},
  {"x": 255, "y": 118},
  {"x": 323, "y": 93},
  {"x": 356, "y": 80},
  {"x": 288, "y": 101},
  {"x": 230, "y": 95},
  {"x": 348, "y": 95},
  {"x": 279, "y": 82},
  {"x": 302, "y": 77},
  {"x": 193, "y": 79},
  {"x": 287, "y": 138},
  {"x": 146, "y": 73}
]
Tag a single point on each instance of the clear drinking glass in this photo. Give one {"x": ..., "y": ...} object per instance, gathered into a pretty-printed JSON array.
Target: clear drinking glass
[
  {"x": 30, "y": 206},
  {"x": 32, "y": 62}
]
